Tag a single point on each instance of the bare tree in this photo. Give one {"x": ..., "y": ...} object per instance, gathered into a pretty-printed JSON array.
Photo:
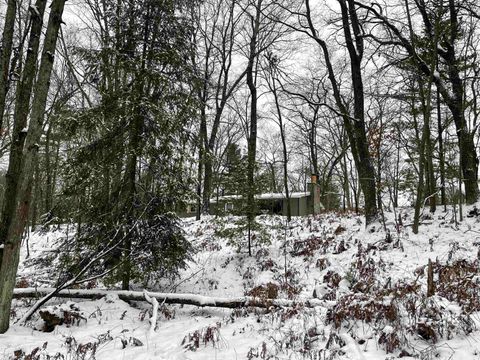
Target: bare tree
[
  {"x": 354, "y": 122},
  {"x": 218, "y": 28},
  {"x": 24, "y": 151},
  {"x": 447, "y": 78}
]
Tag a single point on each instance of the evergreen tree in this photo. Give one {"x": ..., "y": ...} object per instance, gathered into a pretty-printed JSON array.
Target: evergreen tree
[{"x": 144, "y": 78}]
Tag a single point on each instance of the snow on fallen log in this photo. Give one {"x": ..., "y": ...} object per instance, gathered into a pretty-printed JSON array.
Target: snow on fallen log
[{"x": 171, "y": 298}]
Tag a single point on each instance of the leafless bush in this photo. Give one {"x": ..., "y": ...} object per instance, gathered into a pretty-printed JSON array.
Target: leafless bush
[{"x": 205, "y": 336}]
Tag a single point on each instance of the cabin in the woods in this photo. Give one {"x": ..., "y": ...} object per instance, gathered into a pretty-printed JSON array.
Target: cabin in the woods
[{"x": 301, "y": 203}]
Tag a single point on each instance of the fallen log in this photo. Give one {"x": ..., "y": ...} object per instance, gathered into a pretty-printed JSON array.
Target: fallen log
[{"x": 172, "y": 298}]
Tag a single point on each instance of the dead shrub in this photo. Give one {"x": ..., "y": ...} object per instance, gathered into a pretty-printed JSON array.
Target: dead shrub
[
  {"x": 459, "y": 282},
  {"x": 261, "y": 253},
  {"x": 341, "y": 247},
  {"x": 426, "y": 332},
  {"x": 332, "y": 278},
  {"x": 68, "y": 314},
  {"x": 210, "y": 244},
  {"x": 249, "y": 273},
  {"x": 362, "y": 307},
  {"x": 81, "y": 351},
  {"x": 22, "y": 283},
  {"x": 267, "y": 264},
  {"x": 310, "y": 246},
  {"x": 334, "y": 341},
  {"x": 37, "y": 353},
  {"x": 290, "y": 290},
  {"x": 168, "y": 313},
  {"x": 339, "y": 230},
  {"x": 389, "y": 339},
  {"x": 265, "y": 291},
  {"x": 322, "y": 263},
  {"x": 204, "y": 336}
]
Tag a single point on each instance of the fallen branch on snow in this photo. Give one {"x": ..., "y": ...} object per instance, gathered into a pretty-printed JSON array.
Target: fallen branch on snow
[
  {"x": 153, "y": 319},
  {"x": 171, "y": 298}
]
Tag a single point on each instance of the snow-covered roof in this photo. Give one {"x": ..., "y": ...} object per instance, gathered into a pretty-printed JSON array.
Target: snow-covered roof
[{"x": 266, "y": 196}]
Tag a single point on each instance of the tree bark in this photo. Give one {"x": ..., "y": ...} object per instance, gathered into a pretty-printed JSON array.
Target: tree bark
[
  {"x": 355, "y": 127},
  {"x": 252, "y": 136},
  {"x": 421, "y": 155},
  {"x": 273, "y": 89},
  {"x": 5, "y": 54},
  {"x": 430, "y": 174},
  {"x": 172, "y": 298},
  {"x": 466, "y": 143},
  {"x": 22, "y": 107},
  {"x": 27, "y": 156},
  {"x": 441, "y": 155}
]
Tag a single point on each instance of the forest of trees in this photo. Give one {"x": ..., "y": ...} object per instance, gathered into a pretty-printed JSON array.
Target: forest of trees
[{"x": 114, "y": 114}]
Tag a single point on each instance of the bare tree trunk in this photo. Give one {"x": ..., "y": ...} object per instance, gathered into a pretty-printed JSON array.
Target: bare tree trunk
[
  {"x": 274, "y": 90},
  {"x": 135, "y": 146},
  {"x": 169, "y": 298},
  {"x": 364, "y": 165},
  {"x": 430, "y": 174},
  {"x": 198, "y": 210},
  {"x": 22, "y": 106},
  {"x": 27, "y": 157},
  {"x": 468, "y": 153},
  {"x": 421, "y": 159},
  {"x": 355, "y": 128},
  {"x": 441, "y": 154},
  {"x": 48, "y": 170},
  {"x": 5, "y": 54},
  {"x": 36, "y": 197},
  {"x": 252, "y": 136}
]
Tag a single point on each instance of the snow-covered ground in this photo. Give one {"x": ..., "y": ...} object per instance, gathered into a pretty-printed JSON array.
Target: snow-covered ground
[{"x": 374, "y": 287}]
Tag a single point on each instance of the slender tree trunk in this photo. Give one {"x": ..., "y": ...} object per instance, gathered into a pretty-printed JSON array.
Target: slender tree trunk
[
  {"x": 441, "y": 154},
  {"x": 48, "y": 170},
  {"x": 28, "y": 157},
  {"x": 313, "y": 143},
  {"x": 396, "y": 180},
  {"x": 425, "y": 98},
  {"x": 201, "y": 161},
  {"x": 430, "y": 174},
  {"x": 22, "y": 107},
  {"x": 135, "y": 147},
  {"x": 129, "y": 190},
  {"x": 421, "y": 172},
  {"x": 37, "y": 196},
  {"x": 252, "y": 137},
  {"x": 273, "y": 88},
  {"x": 5, "y": 54},
  {"x": 207, "y": 180}
]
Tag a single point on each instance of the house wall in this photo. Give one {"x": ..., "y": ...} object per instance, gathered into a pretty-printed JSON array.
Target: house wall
[
  {"x": 299, "y": 206},
  {"x": 303, "y": 203}
]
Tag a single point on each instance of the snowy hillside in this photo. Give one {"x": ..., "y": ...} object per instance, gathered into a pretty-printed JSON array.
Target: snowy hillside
[{"x": 371, "y": 289}]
